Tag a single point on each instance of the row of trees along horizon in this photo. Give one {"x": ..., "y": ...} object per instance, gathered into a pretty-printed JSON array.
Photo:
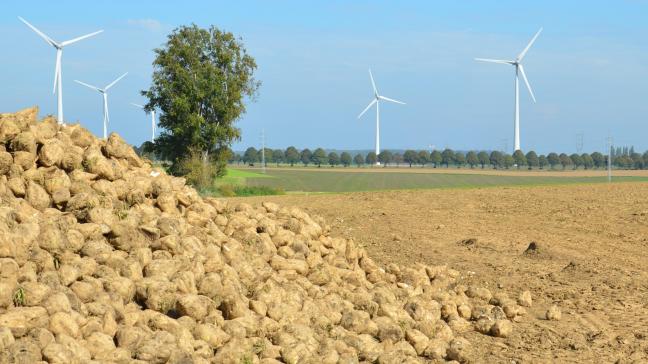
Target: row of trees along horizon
[
  {"x": 622, "y": 157},
  {"x": 202, "y": 80}
]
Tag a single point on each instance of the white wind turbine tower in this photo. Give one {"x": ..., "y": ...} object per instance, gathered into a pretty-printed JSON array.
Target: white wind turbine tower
[
  {"x": 519, "y": 70},
  {"x": 104, "y": 93},
  {"x": 376, "y": 100},
  {"x": 152, "y": 120},
  {"x": 58, "y": 77}
]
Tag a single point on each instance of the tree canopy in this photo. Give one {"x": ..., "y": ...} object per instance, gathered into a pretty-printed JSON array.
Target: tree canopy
[
  {"x": 358, "y": 160},
  {"x": 306, "y": 156},
  {"x": 333, "y": 159},
  {"x": 201, "y": 78},
  {"x": 319, "y": 157},
  {"x": 385, "y": 157},
  {"x": 410, "y": 157},
  {"x": 292, "y": 155},
  {"x": 345, "y": 159},
  {"x": 371, "y": 158}
]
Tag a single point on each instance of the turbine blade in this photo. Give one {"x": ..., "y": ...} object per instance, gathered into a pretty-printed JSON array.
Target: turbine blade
[
  {"x": 89, "y": 86},
  {"x": 367, "y": 108},
  {"x": 493, "y": 60},
  {"x": 524, "y": 77},
  {"x": 523, "y": 53},
  {"x": 57, "y": 69},
  {"x": 115, "y": 81},
  {"x": 391, "y": 100},
  {"x": 49, "y": 40},
  {"x": 373, "y": 84},
  {"x": 71, "y": 41},
  {"x": 138, "y": 105}
]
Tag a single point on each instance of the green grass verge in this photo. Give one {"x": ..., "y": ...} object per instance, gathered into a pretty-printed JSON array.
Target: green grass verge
[
  {"x": 238, "y": 177},
  {"x": 314, "y": 181}
]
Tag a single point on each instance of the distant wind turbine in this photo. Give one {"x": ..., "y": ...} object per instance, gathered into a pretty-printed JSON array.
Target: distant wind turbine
[
  {"x": 104, "y": 93},
  {"x": 519, "y": 70},
  {"x": 152, "y": 120},
  {"x": 58, "y": 76},
  {"x": 376, "y": 100}
]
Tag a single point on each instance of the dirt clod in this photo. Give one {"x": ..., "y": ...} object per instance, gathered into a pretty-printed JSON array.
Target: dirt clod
[{"x": 553, "y": 314}]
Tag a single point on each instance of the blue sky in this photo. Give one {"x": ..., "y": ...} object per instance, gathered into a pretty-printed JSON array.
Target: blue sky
[{"x": 589, "y": 68}]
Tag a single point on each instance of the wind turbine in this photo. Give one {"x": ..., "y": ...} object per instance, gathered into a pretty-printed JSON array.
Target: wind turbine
[
  {"x": 104, "y": 93},
  {"x": 152, "y": 120},
  {"x": 376, "y": 100},
  {"x": 58, "y": 77},
  {"x": 519, "y": 70}
]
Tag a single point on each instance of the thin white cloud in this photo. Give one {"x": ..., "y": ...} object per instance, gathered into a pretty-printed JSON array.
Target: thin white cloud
[{"x": 148, "y": 24}]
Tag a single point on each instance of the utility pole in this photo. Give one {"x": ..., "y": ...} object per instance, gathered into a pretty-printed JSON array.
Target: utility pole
[
  {"x": 609, "y": 159},
  {"x": 579, "y": 142},
  {"x": 263, "y": 166}
]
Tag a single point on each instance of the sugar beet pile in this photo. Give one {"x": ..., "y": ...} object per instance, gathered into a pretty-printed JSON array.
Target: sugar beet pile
[{"x": 103, "y": 258}]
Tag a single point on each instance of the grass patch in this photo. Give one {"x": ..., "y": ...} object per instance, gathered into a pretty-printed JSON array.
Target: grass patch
[
  {"x": 19, "y": 297},
  {"x": 229, "y": 190},
  {"x": 238, "y": 177}
]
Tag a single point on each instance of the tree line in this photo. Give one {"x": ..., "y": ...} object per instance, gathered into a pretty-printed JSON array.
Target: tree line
[{"x": 623, "y": 158}]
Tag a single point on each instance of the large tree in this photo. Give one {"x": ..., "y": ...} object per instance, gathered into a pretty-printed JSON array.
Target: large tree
[
  {"x": 532, "y": 159},
  {"x": 553, "y": 159},
  {"x": 398, "y": 159},
  {"x": 333, "y": 159},
  {"x": 599, "y": 160},
  {"x": 576, "y": 160},
  {"x": 278, "y": 156},
  {"x": 292, "y": 155},
  {"x": 319, "y": 157},
  {"x": 345, "y": 159},
  {"x": 385, "y": 157},
  {"x": 306, "y": 156},
  {"x": 423, "y": 158},
  {"x": 542, "y": 161},
  {"x": 459, "y": 159},
  {"x": 519, "y": 158},
  {"x": 250, "y": 156},
  {"x": 483, "y": 159},
  {"x": 637, "y": 160},
  {"x": 410, "y": 157},
  {"x": 358, "y": 160},
  {"x": 472, "y": 159},
  {"x": 588, "y": 162},
  {"x": 201, "y": 79},
  {"x": 565, "y": 160},
  {"x": 435, "y": 158},
  {"x": 496, "y": 159},
  {"x": 447, "y": 157},
  {"x": 371, "y": 158}
]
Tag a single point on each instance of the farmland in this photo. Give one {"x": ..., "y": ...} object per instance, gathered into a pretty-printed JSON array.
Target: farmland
[
  {"x": 590, "y": 259},
  {"x": 364, "y": 179}
]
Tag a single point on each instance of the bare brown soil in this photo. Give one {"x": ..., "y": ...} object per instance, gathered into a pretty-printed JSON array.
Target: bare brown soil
[{"x": 591, "y": 260}]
